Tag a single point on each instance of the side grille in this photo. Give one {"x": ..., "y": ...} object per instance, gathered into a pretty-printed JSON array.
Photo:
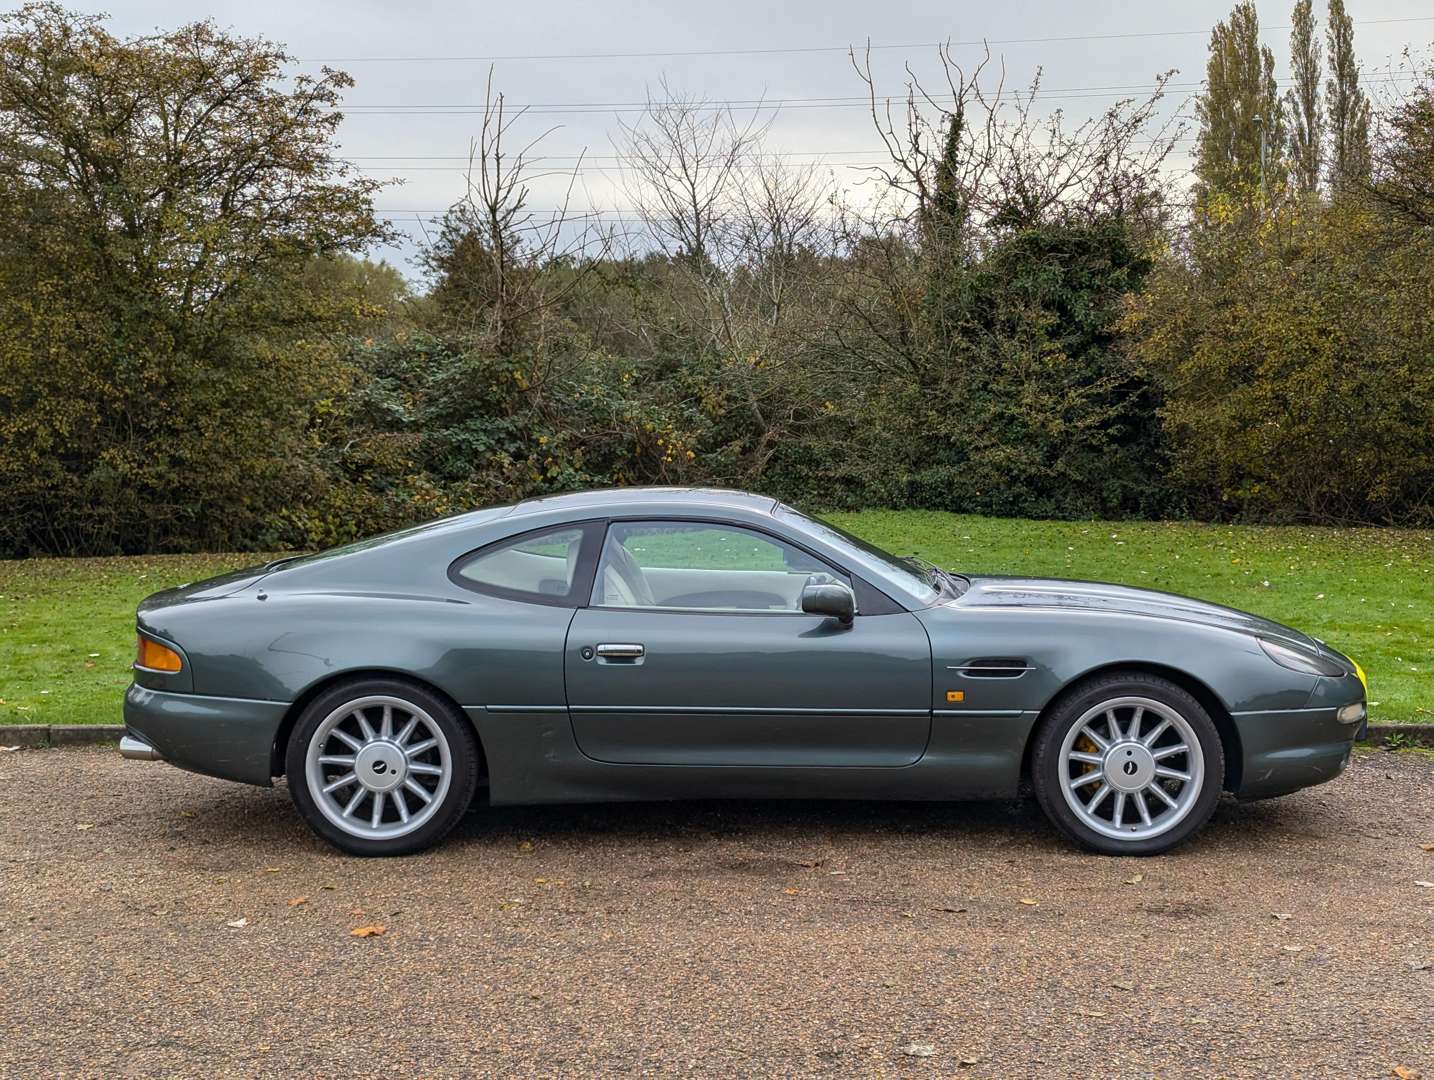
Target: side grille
[{"x": 992, "y": 667}]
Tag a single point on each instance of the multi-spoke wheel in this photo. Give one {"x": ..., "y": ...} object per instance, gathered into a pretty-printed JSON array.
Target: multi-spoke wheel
[
  {"x": 1128, "y": 764},
  {"x": 381, "y": 767}
]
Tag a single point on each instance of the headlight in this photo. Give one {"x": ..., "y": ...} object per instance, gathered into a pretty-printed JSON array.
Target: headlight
[{"x": 1299, "y": 660}]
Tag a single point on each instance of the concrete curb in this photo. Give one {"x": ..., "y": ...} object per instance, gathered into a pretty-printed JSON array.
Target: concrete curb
[
  {"x": 1401, "y": 734},
  {"x": 39, "y": 736}
]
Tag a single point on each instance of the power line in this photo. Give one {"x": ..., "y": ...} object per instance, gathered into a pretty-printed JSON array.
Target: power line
[
  {"x": 758, "y": 104},
  {"x": 495, "y": 58}
]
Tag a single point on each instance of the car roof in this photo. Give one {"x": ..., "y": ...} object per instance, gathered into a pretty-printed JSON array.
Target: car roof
[{"x": 649, "y": 499}]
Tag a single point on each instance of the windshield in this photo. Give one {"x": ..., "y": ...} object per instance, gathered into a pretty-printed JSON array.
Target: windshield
[{"x": 915, "y": 576}]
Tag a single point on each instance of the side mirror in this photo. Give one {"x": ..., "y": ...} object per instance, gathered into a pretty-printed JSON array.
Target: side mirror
[{"x": 835, "y": 601}]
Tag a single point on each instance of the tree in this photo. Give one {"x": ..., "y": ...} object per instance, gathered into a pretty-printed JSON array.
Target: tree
[
  {"x": 1306, "y": 114},
  {"x": 160, "y": 199},
  {"x": 1348, "y": 107},
  {"x": 1296, "y": 384},
  {"x": 1404, "y": 156},
  {"x": 1242, "y": 129},
  {"x": 500, "y": 269}
]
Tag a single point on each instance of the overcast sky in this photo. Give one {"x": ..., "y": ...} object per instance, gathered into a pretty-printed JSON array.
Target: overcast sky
[{"x": 1122, "y": 45}]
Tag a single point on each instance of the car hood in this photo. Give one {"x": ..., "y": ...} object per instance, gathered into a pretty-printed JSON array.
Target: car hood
[{"x": 1098, "y": 596}]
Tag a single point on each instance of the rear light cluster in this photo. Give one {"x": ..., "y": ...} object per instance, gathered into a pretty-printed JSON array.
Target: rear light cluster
[{"x": 152, "y": 656}]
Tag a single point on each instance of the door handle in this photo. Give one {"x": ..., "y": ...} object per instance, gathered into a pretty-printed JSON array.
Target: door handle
[{"x": 620, "y": 650}]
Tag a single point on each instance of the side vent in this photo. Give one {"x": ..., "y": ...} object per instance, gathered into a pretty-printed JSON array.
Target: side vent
[{"x": 992, "y": 667}]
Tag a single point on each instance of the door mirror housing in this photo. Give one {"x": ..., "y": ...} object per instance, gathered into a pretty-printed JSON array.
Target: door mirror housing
[{"x": 833, "y": 600}]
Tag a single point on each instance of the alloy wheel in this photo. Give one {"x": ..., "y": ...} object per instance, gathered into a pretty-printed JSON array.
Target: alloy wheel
[
  {"x": 1131, "y": 768},
  {"x": 378, "y": 767}
]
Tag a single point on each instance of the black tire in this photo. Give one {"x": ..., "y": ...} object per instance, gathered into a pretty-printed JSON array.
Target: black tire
[
  {"x": 464, "y": 762},
  {"x": 1047, "y": 763}
]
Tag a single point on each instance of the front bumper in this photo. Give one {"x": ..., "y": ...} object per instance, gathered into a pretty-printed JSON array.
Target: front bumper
[
  {"x": 231, "y": 738},
  {"x": 1289, "y": 749}
]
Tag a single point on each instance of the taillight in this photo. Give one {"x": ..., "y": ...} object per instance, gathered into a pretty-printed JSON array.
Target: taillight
[{"x": 156, "y": 657}]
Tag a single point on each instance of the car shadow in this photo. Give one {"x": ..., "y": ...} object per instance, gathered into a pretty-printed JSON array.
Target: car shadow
[{"x": 258, "y": 817}]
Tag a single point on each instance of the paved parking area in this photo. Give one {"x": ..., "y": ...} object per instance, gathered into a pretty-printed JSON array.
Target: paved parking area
[{"x": 151, "y": 923}]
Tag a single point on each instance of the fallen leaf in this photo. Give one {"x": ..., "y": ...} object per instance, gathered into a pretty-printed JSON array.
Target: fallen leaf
[
  {"x": 271, "y": 869},
  {"x": 1418, "y": 965},
  {"x": 1029, "y": 902},
  {"x": 188, "y": 813},
  {"x": 1293, "y": 948},
  {"x": 1280, "y": 915},
  {"x": 526, "y": 845},
  {"x": 791, "y": 892},
  {"x": 810, "y": 864},
  {"x": 296, "y": 901},
  {"x": 84, "y": 826},
  {"x": 7, "y": 749},
  {"x": 357, "y": 913},
  {"x": 1136, "y": 880},
  {"x": 1122, "y": 986},
  {"x": 1425, "y": 884},
  {"x": 367, "y": 931},
  {"x": 238, "y": 924},
  {"x": 951, "y": 910},
  {"x": 919, "y": 1050},
  {"x": 1422, "y": 847},
  {"x": 970, "y": 1061},
  {"x": 330, "y": 888},
  {"x": 1403, "y": 1073}
]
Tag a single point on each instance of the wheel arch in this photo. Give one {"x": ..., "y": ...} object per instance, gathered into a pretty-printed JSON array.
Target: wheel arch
[
  {"x": 1196, "y": 688},
  {"x": 296, "y": 710}
]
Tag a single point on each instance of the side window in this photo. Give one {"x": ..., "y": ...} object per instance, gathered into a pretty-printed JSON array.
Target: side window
[
  {"x": 538, "y": 566},
  {"x": 701, "y": 566}
]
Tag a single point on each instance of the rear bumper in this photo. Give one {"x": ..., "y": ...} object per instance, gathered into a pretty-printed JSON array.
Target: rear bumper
[
  {"x": 231, "y": 738},
  {"x": 1289, "y": 749}
]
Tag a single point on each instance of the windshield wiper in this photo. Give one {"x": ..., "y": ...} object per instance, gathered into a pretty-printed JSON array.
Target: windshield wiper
[{"x": 937, "y": 576}]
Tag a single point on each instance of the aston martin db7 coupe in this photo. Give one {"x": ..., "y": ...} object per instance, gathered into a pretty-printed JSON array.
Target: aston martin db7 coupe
[{"x": 671, "y": 643}]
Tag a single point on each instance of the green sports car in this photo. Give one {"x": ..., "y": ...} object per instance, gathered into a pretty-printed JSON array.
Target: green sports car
[{"x": 672, "y": 643}]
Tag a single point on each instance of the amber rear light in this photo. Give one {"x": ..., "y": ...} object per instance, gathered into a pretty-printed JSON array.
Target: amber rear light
[{"x": 157, "y": 657}]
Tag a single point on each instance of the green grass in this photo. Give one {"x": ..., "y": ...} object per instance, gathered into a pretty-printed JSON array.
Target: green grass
[
  {"x": 67, "y": 625},
  {"x": 67, "y": 631}
]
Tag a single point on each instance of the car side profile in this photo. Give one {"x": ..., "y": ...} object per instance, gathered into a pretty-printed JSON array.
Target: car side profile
[{"x": 673, "y": 643}]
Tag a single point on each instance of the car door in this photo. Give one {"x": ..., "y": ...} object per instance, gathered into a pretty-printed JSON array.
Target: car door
[{"x": 694, "y": 651}]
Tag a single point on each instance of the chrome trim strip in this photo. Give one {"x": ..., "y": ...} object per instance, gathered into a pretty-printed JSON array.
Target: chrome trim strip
[
  {"x": 1281, "y": 712},
  {"x": 745, "y": 710},
  {"x": 982, "y": 713},
  {"x": 520, "y": 708},
  {"x": 990, "y": 667}
]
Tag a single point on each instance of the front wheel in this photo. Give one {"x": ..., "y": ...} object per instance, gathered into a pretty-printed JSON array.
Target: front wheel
[
  {"x": 1129, "y": 764},
  {"x": 382, "y": 766}
]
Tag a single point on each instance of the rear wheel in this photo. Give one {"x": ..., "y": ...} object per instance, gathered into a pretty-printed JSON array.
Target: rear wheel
[
  {"x": 1128, "y": 764},
  {"x": 382, "y": 766}
]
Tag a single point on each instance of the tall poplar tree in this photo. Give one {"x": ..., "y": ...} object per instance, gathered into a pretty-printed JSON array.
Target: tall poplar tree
[
  {"x": 1306, "y": 115},
  {"x": 1348, "y": 107},
  {"x": 1240, "y": 103}
]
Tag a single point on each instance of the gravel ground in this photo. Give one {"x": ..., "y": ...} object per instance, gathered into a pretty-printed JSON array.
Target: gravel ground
[{"x": 1289, "y": 939}]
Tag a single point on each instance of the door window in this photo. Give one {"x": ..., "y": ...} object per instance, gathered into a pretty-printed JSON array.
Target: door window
[{"x": 703, "y": 566}]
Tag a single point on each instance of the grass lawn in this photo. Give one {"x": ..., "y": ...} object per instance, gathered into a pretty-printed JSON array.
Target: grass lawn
[{"x": 67, "y": 625}]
